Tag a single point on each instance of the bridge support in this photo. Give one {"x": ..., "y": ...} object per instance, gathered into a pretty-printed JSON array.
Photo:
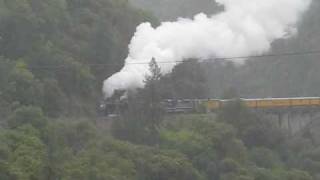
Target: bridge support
[
  {"x": 280, "y": 119},
  {"x": 289, "y": 124}
]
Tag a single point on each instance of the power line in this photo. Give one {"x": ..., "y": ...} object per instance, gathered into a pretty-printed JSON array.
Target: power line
[{"x": 234, "y": 58}]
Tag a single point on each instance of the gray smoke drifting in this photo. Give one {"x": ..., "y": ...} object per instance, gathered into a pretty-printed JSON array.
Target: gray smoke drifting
[{"x": 246, "y": 27}]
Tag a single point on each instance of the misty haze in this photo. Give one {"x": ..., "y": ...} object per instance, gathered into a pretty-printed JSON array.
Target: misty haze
[{"x": 159, "y": 89}]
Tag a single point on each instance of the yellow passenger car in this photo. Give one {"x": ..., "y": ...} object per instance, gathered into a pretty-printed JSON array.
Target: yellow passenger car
[
  {"x": 286, "y": 102},
  {"x": 214, "y": 104}
]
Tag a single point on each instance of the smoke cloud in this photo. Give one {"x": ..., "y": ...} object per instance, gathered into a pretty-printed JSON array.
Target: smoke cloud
[{"x": 245, "y": 27}]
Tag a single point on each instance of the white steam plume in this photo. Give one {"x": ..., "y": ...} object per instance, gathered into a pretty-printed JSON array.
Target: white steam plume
[{"x": 245, "y": 27}]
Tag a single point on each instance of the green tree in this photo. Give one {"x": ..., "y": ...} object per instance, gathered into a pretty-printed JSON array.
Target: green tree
[
  {"x": 265, "y": 158},
  {"x": 27, "y": 115},
  {"x": 187, "y": 80},
  {"x": 53, "y": 98},
  {"x": 141, "y": 121},
  {"x": 252, "y": 129},
  {"x": 23, "y": 87},
  {"x": 26, "y": 156},
  {"x": 299, "y": 175},
  {"x": 94, "y": 164},
  {"x": 206, "y": 143},
  {"x": 56, "y": 40},
  {"x": 151, "y": 97}
]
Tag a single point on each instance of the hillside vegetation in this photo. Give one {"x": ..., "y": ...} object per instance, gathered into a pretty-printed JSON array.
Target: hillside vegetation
[
  {"x": 53, "y": 58},
  {"x": 46, "y": 47},
  {"x": 283, "y": 76}
]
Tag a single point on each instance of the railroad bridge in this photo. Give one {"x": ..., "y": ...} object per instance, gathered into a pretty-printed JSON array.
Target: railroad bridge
[{"x": 290, "y": 113}]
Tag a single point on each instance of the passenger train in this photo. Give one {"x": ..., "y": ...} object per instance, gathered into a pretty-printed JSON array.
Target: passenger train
[{"x": 211, "y": 105}]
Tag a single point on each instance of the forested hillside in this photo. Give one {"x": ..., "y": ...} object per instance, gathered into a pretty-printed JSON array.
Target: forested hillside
[
  {"x": 283, "y": 76},
  {"x": 54, "y": 55},
  {"x": 291, "y": 75},
  {"x": 46, "y": 48}
]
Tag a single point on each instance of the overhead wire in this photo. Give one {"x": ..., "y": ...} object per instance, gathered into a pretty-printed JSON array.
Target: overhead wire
[{"x": 233, "y": 58}]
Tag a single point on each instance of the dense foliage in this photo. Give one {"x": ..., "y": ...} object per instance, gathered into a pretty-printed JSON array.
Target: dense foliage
[
  {"x": 51, "y": 51},
  {"x": 235, "y": 145},
  {"x": 51, "y": 56},
  {"x": 278, "y": 76}
]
